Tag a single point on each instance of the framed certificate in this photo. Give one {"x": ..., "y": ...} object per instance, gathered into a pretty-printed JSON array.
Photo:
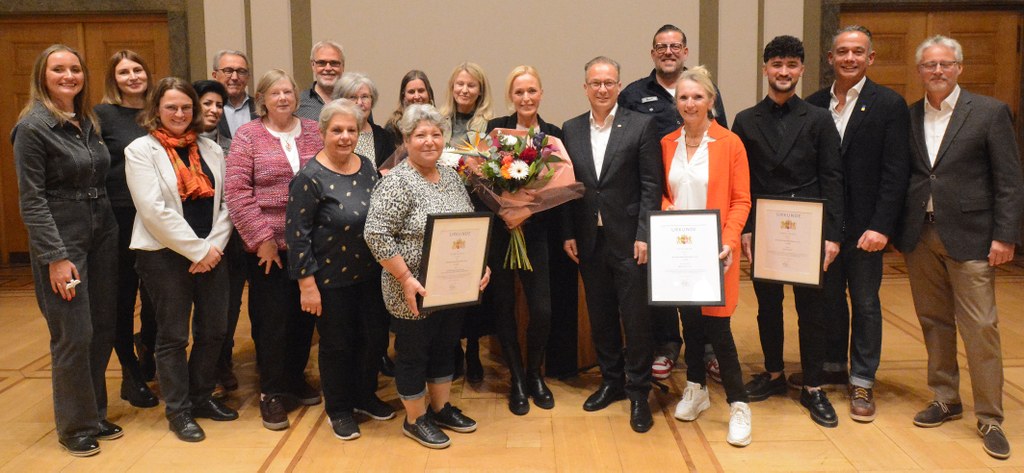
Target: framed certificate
[
  {"x": 788, "y": 240},
  {"x": 454, "y": 258},
  {"x": 683, "y": 267}
]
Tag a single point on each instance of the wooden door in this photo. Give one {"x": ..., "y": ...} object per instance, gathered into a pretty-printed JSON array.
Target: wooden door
[
  {"x": 96, "y": 38},
  {"x": 989, "y": 38}
]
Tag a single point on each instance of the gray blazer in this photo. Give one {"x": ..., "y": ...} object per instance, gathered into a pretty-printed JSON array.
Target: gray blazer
[{"x": 976, "y": 185}]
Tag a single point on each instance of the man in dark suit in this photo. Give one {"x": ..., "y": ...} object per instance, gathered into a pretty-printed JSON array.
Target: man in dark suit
[
  {"x": 961, "y": 219},
  {"x": 873, "y": 122},
  {"x": 793, "y": 150},
  {"x": 231, "y": 68},
  {"x": 617, "y": 157}
]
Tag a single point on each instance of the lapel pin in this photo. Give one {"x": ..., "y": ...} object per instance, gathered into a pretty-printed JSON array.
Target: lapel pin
[
  {"x": 863, "y": 108},
  {"x": 618, "y": 126}
]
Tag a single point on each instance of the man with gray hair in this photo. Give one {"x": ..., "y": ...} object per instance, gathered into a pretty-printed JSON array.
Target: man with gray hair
[
  {"x": 961, "y": 219},
  {"x": 231, "y": 68},
  {"x": 617, "y": 157},
  {"x": 327, "y": 58}
]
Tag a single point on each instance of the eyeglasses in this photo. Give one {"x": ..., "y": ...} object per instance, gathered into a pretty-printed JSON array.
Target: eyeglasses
[
  {"x": 323, "y": 63},
  {"x": 930, "y": 66},
  {"x": 231, "y": 71},
  {"x": 662, "y": 47},
  {"x": 609, "y": 85},
  {"x": 362, "y": 98},
  {"x": 176, "y": 108}
]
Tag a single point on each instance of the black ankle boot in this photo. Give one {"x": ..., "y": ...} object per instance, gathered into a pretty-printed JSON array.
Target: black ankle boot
[
  {"x": 539, "y": 391},
  {"x": 518, "y": 401}
]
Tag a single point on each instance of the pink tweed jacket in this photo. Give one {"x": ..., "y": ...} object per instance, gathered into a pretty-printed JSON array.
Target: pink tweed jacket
[{"x": 257, "y": 178}]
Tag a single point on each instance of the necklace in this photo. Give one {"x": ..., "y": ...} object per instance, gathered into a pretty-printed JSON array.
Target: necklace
[{"x": 688, "y": 140}]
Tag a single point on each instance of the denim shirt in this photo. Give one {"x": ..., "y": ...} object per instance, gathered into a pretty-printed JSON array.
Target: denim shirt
[{"x": 56, "y": 163}]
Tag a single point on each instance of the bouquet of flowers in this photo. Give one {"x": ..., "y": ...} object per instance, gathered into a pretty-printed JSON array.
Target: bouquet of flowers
[{"x": 517, "y": 174}]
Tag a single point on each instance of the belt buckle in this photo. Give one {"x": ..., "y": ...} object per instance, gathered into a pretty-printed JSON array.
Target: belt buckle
[{"x": 92, "y": 193}]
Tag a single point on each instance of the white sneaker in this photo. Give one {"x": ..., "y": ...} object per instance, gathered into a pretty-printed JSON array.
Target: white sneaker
[
  {"x": 662, "y": 367},
  {"x": 695, "y": 400},
  {"x": 739, "y": 424}
]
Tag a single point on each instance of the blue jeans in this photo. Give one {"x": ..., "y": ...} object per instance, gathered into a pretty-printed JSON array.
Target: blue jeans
[{"x": 860, "y": 272}]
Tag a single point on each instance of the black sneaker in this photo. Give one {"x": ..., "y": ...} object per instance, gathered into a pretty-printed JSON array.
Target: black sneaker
[
  {"x": 376, "y": 409},
  {"x": 451, "y": 417},
  {"x": 938, "y": 412},
  {"x": 821, "y": 410},
  {"x": 80, "y": 446},
  {"x": 763, "y": 386},
  {"x": 995, "y": 443},
  {"x": 426, "y": 433},
  {"x": 109, "y": 431},
  {"x": 274, "y": 415},
  {"x": 345, "y": 427}
]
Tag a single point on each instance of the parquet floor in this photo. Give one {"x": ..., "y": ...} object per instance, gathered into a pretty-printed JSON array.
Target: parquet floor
[{"x": 563, "y": 439}]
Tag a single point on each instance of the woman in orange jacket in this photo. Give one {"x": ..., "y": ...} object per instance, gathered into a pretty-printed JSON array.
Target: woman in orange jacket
[{"x": 706, "y": 168}]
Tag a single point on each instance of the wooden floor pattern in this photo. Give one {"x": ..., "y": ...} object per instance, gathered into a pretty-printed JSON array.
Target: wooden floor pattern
[{"x": 562, "y": 439}]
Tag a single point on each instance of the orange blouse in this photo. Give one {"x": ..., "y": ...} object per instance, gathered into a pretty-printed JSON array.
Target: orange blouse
[{"x": 728, "y": 192}]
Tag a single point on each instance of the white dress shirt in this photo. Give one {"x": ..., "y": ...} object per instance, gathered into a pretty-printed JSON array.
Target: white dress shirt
[
  {"x": 599, "y": 135},
  {"x": 843, "y": 118},
  {"x": 936, "y": 120},
  {"x": 689, "y": 178}
]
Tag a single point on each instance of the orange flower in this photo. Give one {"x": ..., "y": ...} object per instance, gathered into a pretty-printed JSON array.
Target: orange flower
[{"x": 504, "y": 170}]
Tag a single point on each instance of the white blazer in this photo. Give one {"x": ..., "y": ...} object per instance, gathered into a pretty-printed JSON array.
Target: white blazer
[{"x": 159, "y": 219}]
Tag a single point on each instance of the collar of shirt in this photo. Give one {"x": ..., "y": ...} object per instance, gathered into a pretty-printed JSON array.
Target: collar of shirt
[
  {"x": 948, "y": 104},
  {"x": 313, "y": 95},
  {"x": 851, "y": 94},
  {"x": 607, "y": 121},
  {"x": 243, "y": 105}
]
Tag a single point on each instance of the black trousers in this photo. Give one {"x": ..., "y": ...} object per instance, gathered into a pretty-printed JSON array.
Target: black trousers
[
  {"x": 616, "y": 293},
  {"x": 281, "y": 331},
  {"x": 698, "y": 328},
  {"x": 353, "y": 330},
  {"x": 82, "y": 329},
  {"x": 238, "y": 273},
  {"x": 501, "y": 297},
  {"x": 564, "y": 275},
  {"x": 128, "y": 286},
  {"x": 185, "y": 378},
  {"x": 424, "y": 351},
  {"x": 810, "y": 319}
]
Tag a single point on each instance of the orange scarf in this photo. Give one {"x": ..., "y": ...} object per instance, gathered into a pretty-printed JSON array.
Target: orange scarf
[{"x": 192, "y": 182}]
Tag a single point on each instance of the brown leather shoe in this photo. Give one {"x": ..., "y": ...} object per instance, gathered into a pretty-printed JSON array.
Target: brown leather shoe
[{"x": 862, "y": 404}]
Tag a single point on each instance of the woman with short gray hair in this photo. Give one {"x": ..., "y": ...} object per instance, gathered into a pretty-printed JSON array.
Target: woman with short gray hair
[
  {"x": 374, "y": 142},
  {"x": 395, "y": 228},
  {"x": 338, "y": 277}
]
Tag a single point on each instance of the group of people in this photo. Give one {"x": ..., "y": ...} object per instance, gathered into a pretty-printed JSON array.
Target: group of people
[{"x": 182, "y": 193}]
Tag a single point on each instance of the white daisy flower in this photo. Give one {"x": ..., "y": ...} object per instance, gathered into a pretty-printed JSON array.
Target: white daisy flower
[
  {"x": 449, "y": 158},
  {"x": 519, "y": 170}
]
